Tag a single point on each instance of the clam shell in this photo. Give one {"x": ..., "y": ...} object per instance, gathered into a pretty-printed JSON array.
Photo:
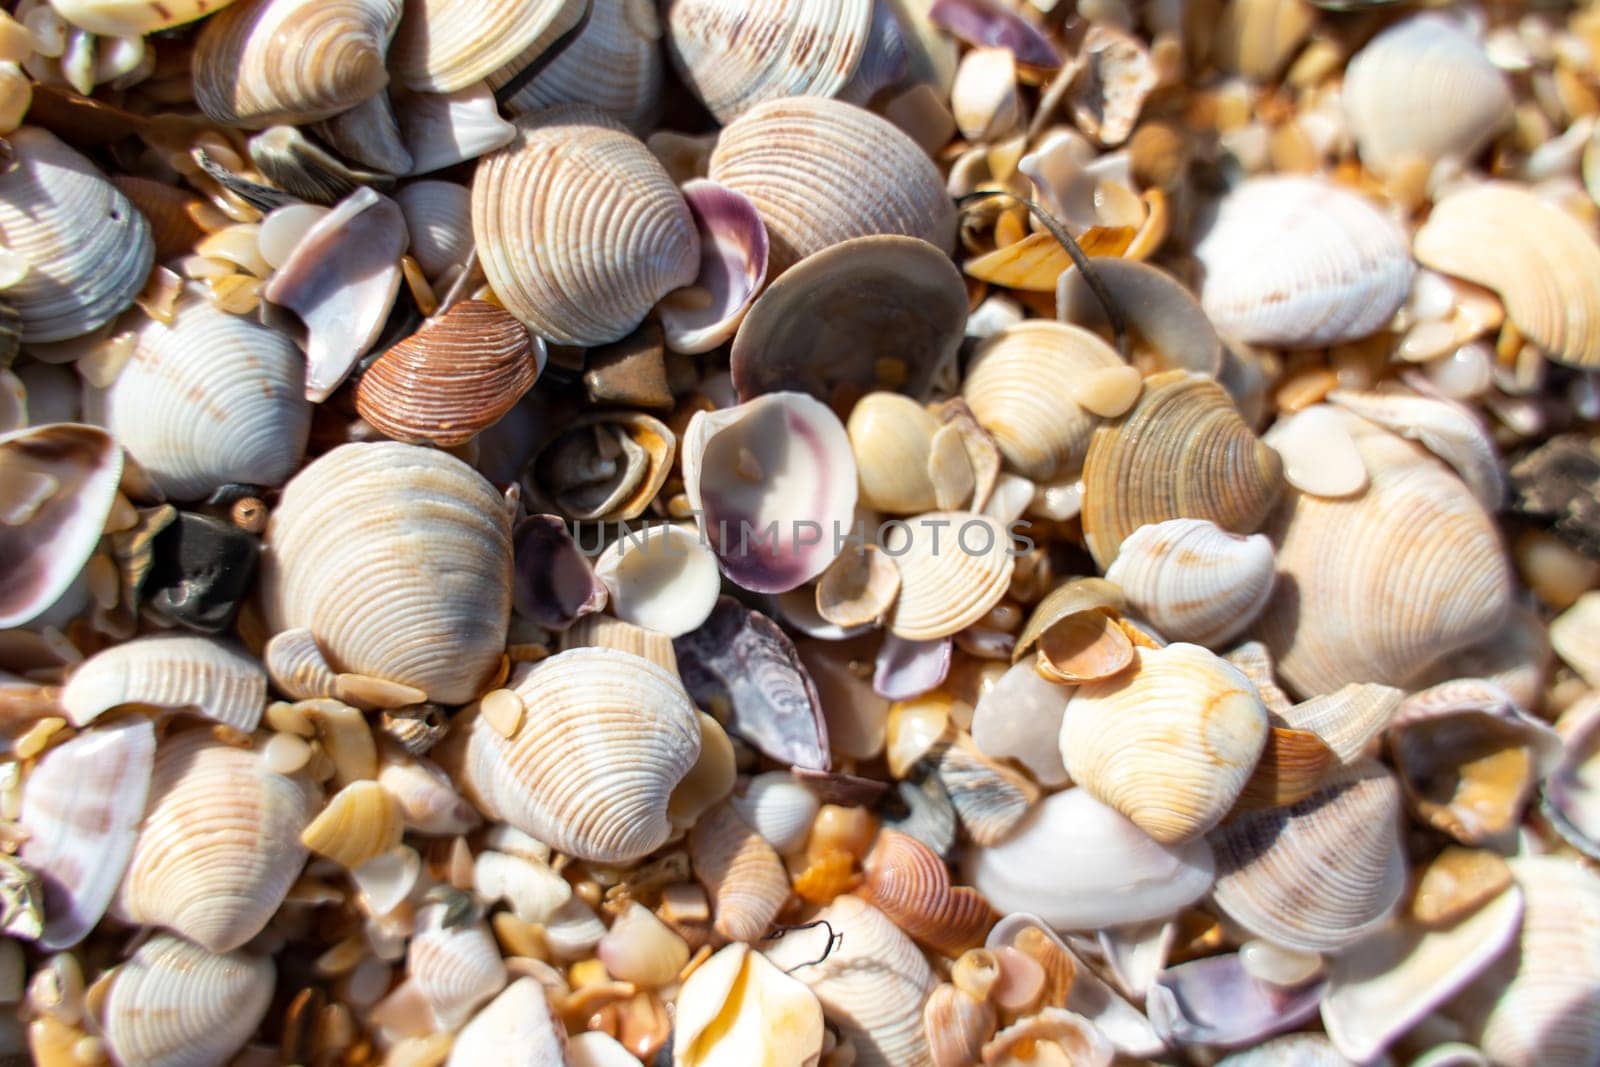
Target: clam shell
[
  {"x": 872, "y": 985},
  {"x": 297, "y": 666},
  {"x": 439, "y": 221},
  {"x": 1042, "y": 434},
  {"x": 1194, "y": 716},
  {"x": 1540, "y": 256},
  {"x": 261, "y": 62},
  {"x": 1453, "y": 98},
  {"x": 132, "y": 18},
  {"x": 215, "y": 679},
  {"x": 733, "y": 268},
  {"x": 1378, "y": 586},
  {"x": 1183, "y": 452},
  {"x": 1349, "y": 719},
  {"x": 86, "y": 248},
  {"x": 1216, "y": 1001},
  {"x": 60, "y": 481},
  {"x": 209, "y": 399},
  {"x": 778, "y": 808},
  {"x": 944, "y": 589},
  {"x": 518, "y": 1028},
  {"x": 219, "y": 845},
  {"x": 1447, "y": 429},
  {"x": 1019, "y": 718},
  {"x": 330, "y": 567},
  {"x": 554, "y": 584},
  {"x": 1318, "y": 874},
  {"x": 741, "y": 873},
  {"x": 911, "y": 885},
  {"x": 369, "y": 134},
  {"x": 800, "y": 160},
  {"x": 989, "y": 797},
  {"x": 735, "y": 54},
  {"x": 446, "y": 45},
  {"x": 614, "y": 64},
  {"x": 80, "y": 809},
  {"x": 1193, "y": 580},
  {"x": 456, "y": 967},
  {"x": 1080, "y": 865},
  {"x": 606, "y": 236},
  {"x": 1299, "y": 262},
  {"x": 176, "y": 1005},
  {"x": 457, "y": 375},
  {"x": 1165, "y": 314},
  {"x": 441, "y": 130},
  {"x": 664, "y": 579},
  {"x": 591, "y": 710},
  {"x": 736, "y": 1008}
]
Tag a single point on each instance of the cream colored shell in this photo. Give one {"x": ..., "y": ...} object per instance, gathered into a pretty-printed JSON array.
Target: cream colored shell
[
  {"x": 1194, "y": 580},
  {"x": 186, "y": 672},
  {"x": 891, "y": 436},
  {"x": 516, "y": 1028},
  {"x": 954, "y": 567},
  {"x": 614, "y": 64},
  {"x": 446, "y": 45},
  {"x": 741, "y": 872},
  {"x": 738, "y": 1009},
  {"x": 176, "y": 1005},
  {"x": 456, "y": 967}
]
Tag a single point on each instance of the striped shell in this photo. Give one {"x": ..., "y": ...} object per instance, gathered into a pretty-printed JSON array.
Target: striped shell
[
  {"x": 1542, "y": 257},
  {"x": 1349, "y": 719},
  {"x": 805, "y": 164},
  {"x": 261, "y": 62},
  {"x": 446, "y": 45},
  {"x": 1193, "y": 580},
  {"x": 208, "y": 400},
  {"x": 947, "y": 584},
  {"x": 1319, "y": 874},
  {"x": 957, "y": 1026},
  {"x": 579, "y": 228},
  {"x": 1017, "y": 387},
  {"x": 456, "y": 967},
  {"x": 87, "y": 249},
  {"x": 132, "y": 18},
  {"x": 735, "y": 54},
  {"x": 741, "y": 872},
  {"x": 176, "y": 1005},
  {"x": 398, "y": 559},
  {"x": 454, "y": 377},
  {"x": 778, "y": 808},
  {"x": 614, "y": 64},
  {"x": 1299, "y": 262},
  {"x": 606, "y": 737},
  {"x": 911, "y": 885},
  {"x": 220, "y": 842},
  {"x": 1182, "y": 452},
  {"x": 297, "y": 666},
  {"x": 1384, "y": 583},
  {"x": 185, "y": 672}
]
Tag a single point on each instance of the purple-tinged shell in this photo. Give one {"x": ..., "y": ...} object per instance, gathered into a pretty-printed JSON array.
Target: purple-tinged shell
[
  {"x": 836, "y": 787},
  {"x": 739, "y": 659},
  {"x": 1215, "y": 1001},
  {"x": 1571, "y": 797},
  {"x": 553, "y": 584},
  {"x": 907, "y": 669},
  {"x": 733, "y": 268},
  {"x": 987, "y": 24}
]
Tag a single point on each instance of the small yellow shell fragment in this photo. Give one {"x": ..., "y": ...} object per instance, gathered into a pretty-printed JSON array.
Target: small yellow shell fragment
[
  {"x": 361, "y": 821},
  {"x": 1108, "y": 391}
]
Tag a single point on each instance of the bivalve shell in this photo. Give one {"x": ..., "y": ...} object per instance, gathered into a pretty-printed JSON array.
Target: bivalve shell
[
  {"x": 1193, "y": 580},
  {"x": 944, "y": 589},
  {"x": 446, "y": 45},
  {"x": 891, "y": 437},
  {"x": 185, "y": 672},
  {"x": 518, "y": 1028},
  {"x": 778, "y": 808},
  {"x": 741, "y": 873},
  {"x": 663, "y": 578},
  {"x": 456, "y": 967},
  {"x": 439, "y": 221},
  {"x": 614, "y": 63},
  {"x": 176, "y": 1005},
  {"x": 736, "y": 1009},
  {"x": 911, "y": 885}
]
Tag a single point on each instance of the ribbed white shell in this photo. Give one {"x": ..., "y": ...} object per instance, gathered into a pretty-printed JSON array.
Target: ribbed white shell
[
  {"x": 614, "y": 64},
  {"x": 220, "y": 843},
  {"x": 210, "y": 677},
  {"x": 1194, "y": 580},
  {"x": 455, "y": 967},
  {"x": 446, "y": 45},
  {"x": 778, "y": 808},
  {"x": 177, "y": 1005},
  {"x": 951, "y": 575},
  {"x": 1348, "y": 718},
  {"x": 398, "y": 559},
  {"x": 88, "y": 249}
]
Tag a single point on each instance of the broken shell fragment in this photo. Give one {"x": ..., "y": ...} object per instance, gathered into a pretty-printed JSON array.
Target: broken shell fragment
[
  {"x": 520, "y": 1018},
  {"x": 553, "y": 584},
  {"x": 183, "y": 672},
  {"x": 1019, "y": 718},
  {"x": 441, "y": 130},
  {"x": 1052, "y": 1034},
  {"x": 1193, "y": 580},
  {"x": 359, "y": 822},
  {"x": 605, "y": 466},
  {"x": 737, "y": 1006},
  {"x": 1217, "y": 1001}
]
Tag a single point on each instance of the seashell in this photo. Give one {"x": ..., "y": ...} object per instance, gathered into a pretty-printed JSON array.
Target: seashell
[
  {"x": 1383, "y": 985},
  {"x": 439, "y": 220},
  {"x": 858, "y": 589},
  {"x": 1299, "y": 262},
  {"x": 574, "y": 930},
  {"x": 957, "y": 1026},
  {"x": 80, "y": 810},
  {"x": 1456, "y": 100},
  {"x": 1080, "y": 865},
  {"x": 428, "y": 802},
  {"x": 359, "y": 822},
  {"x": 737, "y": 1006},
  {"x": 1416, "y": 533},
  {"x": 59, "y": 482},
  {"x": 1292, "y": 766},
  {"x": 1163, "y": 313},
  {"x": 605, "y": 631},
  {"x": 186, "y": 672},
  {"x": 262, "y": 62},
  {"x": 666, "y": 579},
  {"x": 1147, "y": 468},
  {"x": 983, "y": 97},
  {"x": 1019, "y": 718},
  {"x": 735, "y": 56},
  {"x": 1193, "y": 580},
  {"x": 595, "y": 708},
  {"x": 456, "y": 967},
  {"x": 369, "y": 134},
  {"x": 219, "y": 845},
  {"x": 517, "y": 1027},
  {"x": 1105, "y": 100},
  {"x": 905, "y": 669},
  {"x": 554, "y": 584},
  {"x": 1456, "y": 883},
  {"x": 1540, "y": 252},
  {"x": 1297, "y": 1050},
  {"x": 1193, "y": 714},
  {"x": 455, "y": 376},
  {"x": 741, "y": 873},
  {"x": 778, "y": 808},
  {"x": 606, "y": 191},
  {"x": 174, "y": 1004},
  {"x": 872, "y": 985},
  {"x": 709, "y": 781},
  {"x": 86, "y": 249},
  {"x": 1446, "y": 429},
  {"x": 746, "y": 468},
  {"x": 1073, "y": 597},
  {"x": 1568, "y": 793},
  {"x": 446, "y": 45},
  {"x": 330, "y": 568},
  {"x": 1572, "y": 637},
  {"x": 799, "y": 161},
  {"x": 121, "y": 18},
  {"x": 297, "y": 666},
  {"x": 911, "y": 885},
  {"x": 604, "y": 467},
  {"x": 209, "y": 399},
  {"x": 614, "y": 63},
  {"x": 1042, "y": 434},
  {"x": 891, "y": 437},
  {"x": 733, "y": 268},
  {"x": 946, "y": 590},
  {"x": 1257, "y": 38},
  {"x": 1217, "y": 1001},
  {"x": 1318, "y": 874},
  {"x": 1136, "y": 954},
  {"x": 297, "y": 167},
  {"x": 823, "y": 326},
  {"x": 1052, "y": 1034},
  {"x": 641, "y": 949},
  {"x": 984, "y": 23},
  {"x": 441, "y": 130}
]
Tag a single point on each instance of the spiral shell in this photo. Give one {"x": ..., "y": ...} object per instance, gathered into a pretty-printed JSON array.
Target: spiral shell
[
  {"x": 741, "y": 873},
  {"x": 87, "y": 249},
  {"x": 370, "y": 589},
  {"x": 210, "y": 399},
  {"x": 176, "y": 1005},
  {"x": 801, "y": 161},
  {"x": 591, "y": 767},
  {"x": 580, "y": 229},
  {"x": 1182, "y": 452},
  {"x": 262, "y": 62},
  {"x": 1195, "y": 581},
  {"x": 446, "y": 45},
  {"x": 614, "y": 64},
  {"x": 946, "y": 588},
  {"x": 957, "y": 1026},
  {"x": 911, "y": 885},
  {"x": 220, "y": 843},
  {"x": 185, "y": 672}
]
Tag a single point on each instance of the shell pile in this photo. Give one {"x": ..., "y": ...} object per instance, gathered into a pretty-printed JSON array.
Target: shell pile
[{"x": 801, "y": 533}]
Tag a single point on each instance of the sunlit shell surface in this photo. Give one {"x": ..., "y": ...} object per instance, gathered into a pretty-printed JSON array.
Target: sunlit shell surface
[
  {"x": 185, "y": 672},
  {"x": 176, "y": 1004},
  {"x": 445, "y": 45},
  {"x": 1193, "y": 580},
  {"x": 614, "y": 64}
]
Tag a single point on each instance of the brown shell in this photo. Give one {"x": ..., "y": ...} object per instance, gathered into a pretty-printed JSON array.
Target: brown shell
[
  {"x": 454, "y": 377},
  {"x": 1183, "y": 452},
  {"x": 911, "y": 885},
  {"x": 740, "y": 872}
]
